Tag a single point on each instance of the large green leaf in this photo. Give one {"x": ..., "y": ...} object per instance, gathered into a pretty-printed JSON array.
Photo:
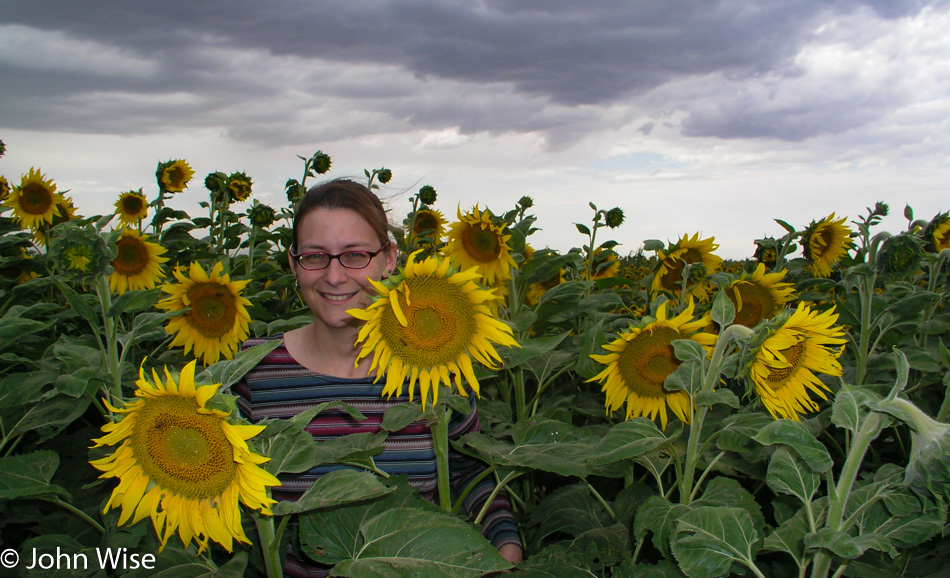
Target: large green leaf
[
  {"x": 570, "y": 510},
  {"x": 789, "y": 537},
  {"x": 658, "y": 515},
  {"x": 540, "y": 444},
  {"x": 794, "y": 435},
  {"x": 48, "y": 417},
  {"x": 411, "y": 542},
  {"x": 788, "y": 475},
  {"x": 13, "y": 329},
  {"x": 532, "y": 348},
  {"x": 229, "y": 372},
  {"x": 627, "y": 440},
  {"x": 29, "y": 475},
  {"x": 334, "y": 489},
  {"x": 709, "y": 539}
]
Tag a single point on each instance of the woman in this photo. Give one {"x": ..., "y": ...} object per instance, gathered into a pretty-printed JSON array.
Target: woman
[{"x": 340, "y": 241}]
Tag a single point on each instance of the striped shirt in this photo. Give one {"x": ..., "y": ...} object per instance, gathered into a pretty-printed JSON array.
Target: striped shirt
[{"x": 279, "y": 387}]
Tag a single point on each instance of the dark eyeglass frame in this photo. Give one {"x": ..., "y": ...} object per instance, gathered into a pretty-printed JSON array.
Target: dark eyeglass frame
[{"x": 371, "y": 254}]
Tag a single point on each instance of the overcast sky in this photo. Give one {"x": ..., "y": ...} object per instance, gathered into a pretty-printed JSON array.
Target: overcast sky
[{"x": 693, "y": 116}]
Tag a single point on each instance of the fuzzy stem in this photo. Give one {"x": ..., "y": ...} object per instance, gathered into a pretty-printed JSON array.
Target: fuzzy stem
[
  {"x": 440, "y": 434},
  {"x": 270, "y": 545}
]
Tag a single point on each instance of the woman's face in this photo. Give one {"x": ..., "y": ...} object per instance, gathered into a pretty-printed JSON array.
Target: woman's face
[{"x": 331, "y": 291}]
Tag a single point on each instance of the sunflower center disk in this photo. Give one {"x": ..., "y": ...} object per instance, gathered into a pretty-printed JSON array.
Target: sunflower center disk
[
  {"x": 182, "y": 450},
  {"x": 441, "y": 323},
  {"x": 213, "y": 309},
  {"x": 674, "y": 276},
  {"x": 757, "y": 304},
  {"x": 35, "y": 199},
  {"x": 131, "y": 257},
  {"x": 779, "y": 375},
  {"x": 481, "y": 244},
  {"x": 131, "y": 205},
  {"x": 647, "y": 360}
]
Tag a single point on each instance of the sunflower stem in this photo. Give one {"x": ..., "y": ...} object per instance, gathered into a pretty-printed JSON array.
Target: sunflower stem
[
  {"x": 73, "y": 509},
  {"x": 471, "y": 486},
  {"x": 601, "y": 500},
  {"x": 491, "y": 497},
  {"x": 441, "y": 441},
  {"x": 270, "y": 545},
  {"x": 110, "y": 352}
]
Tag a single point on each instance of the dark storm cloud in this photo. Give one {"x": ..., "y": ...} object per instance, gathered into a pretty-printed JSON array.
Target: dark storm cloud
[{"x": 517, "y": 66}]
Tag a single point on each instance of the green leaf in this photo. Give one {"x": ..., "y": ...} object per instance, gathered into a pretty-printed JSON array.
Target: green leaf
[
  {"x": 229, "y": 372},
  {"x": 849, "y": 408},
  {"x": 723, "y": 310},
  {"x": 790, "y": 537},
  {"x": 401, "y": 415},
  {"x": 708, "y": 539},
  {"x": 658, "y": 515},
  {"x": 570, "y": 510},
  {"x": 785, "y": 225},
  {"x": 78, "y": 304},
  {"x": 336, "y": 488},
  {"x": 582, "y": 229},
  {"x": 16, "y": 328},
  {"x": 688, "y": 350},
  {"x": 788, "y": 475},
  {"x": 29, "y": 475},
  {"x": 538, "y": 444},
  {"x": 688, "y": 376},
  {"x": 711, "y": 398},
  {"x": 357, "y": 448},
  {"x": 49, "y": 417},
  {"x": 626, "y": 440},
  {"x": 653, "y": 245},
  {"x": 533, "y": 348},
  {"x": 133, "y": 302},
  {"x": 794, "y": 435},
  {"x": 839, "y": 543}
]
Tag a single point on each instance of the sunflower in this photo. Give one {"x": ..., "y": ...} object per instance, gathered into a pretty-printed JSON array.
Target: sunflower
[
  {"x": 429, "y": 323},
  {"x": 131, "y": 207},
  {"x": 239, "y": 187},
  {"x": 428, "y": 228},
  {"x": 537, "y": 289},
  {"x": 184, "y": 457},
  {"x": 173, "y": 176},
  {"x": 782, "y": 368},
  {"x": 641, "y": 359},
  {"x": 217, "y": 320},
  {"x": 137, "y": 263},
  {"x": 937, "y": 233},
  {"x": 825, "y": 242},
  {"x": 474, "y": 241},
  {"x": 759, "y": 296},
  {"x": 687, "y": 251},
  {"x": 4, "y": 188},
  {"x": 34, "y": 201}
]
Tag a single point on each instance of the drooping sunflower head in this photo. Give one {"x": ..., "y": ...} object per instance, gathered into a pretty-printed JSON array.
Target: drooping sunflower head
[
  {"x": 260, "y": 215},
  {"x": 475, "y": 240},
  {"x": 34, "y": 201},
  {"x": 785, "y": 355},
  {"x": 759, "y": 295},
  {"x": 899, "y": 257},
  {"x": 173, "y": 176},
  {"x": 428, "y": 323},
  {"x": 239, "y": 187},
  {"x": 428, "y": 228},
  {"x": 937, "y": 233},
  {"x": 640, "y": 360},
  {"x": 182, "y": 464},
  {"x": 137, "y": 263},
  {"x": 824, "y": 243},
  {"x": 766, "y": 251},
  {"x": 427, "y": 195},
  {"x": 688, "y": 251},
  {"x": 217, "y": 318},
  {"x": 131, "y": 207}
]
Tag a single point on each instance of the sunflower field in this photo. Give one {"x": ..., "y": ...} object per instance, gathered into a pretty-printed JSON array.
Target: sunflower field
[{"x": 663, "y": 413}]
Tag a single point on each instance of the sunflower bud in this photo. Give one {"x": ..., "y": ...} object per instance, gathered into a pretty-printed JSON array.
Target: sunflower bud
[
  {"x": 214, "y": 182},
  {"x": 320, "y": 162},
  {"x": 384, "y": 175},
  {"x": 899, "y": 257},
  {"x": 239, "y": 187},
  {"x": 928, "y": 470},
  {"x": 614, "y": 217},
  {"x": 261, "y": 215},
  {"x": 79, "y": 252},
  {"x": 3, "y": 148},
  {"x": 427, "y": 195},
  {"x": 525, "y": 202}
]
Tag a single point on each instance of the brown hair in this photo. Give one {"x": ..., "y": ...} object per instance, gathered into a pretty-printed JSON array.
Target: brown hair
[{"x": 344, "y": 194}]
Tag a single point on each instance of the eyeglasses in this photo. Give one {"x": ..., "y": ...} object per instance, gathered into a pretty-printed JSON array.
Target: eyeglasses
[{"x": 350, "y": 259}]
